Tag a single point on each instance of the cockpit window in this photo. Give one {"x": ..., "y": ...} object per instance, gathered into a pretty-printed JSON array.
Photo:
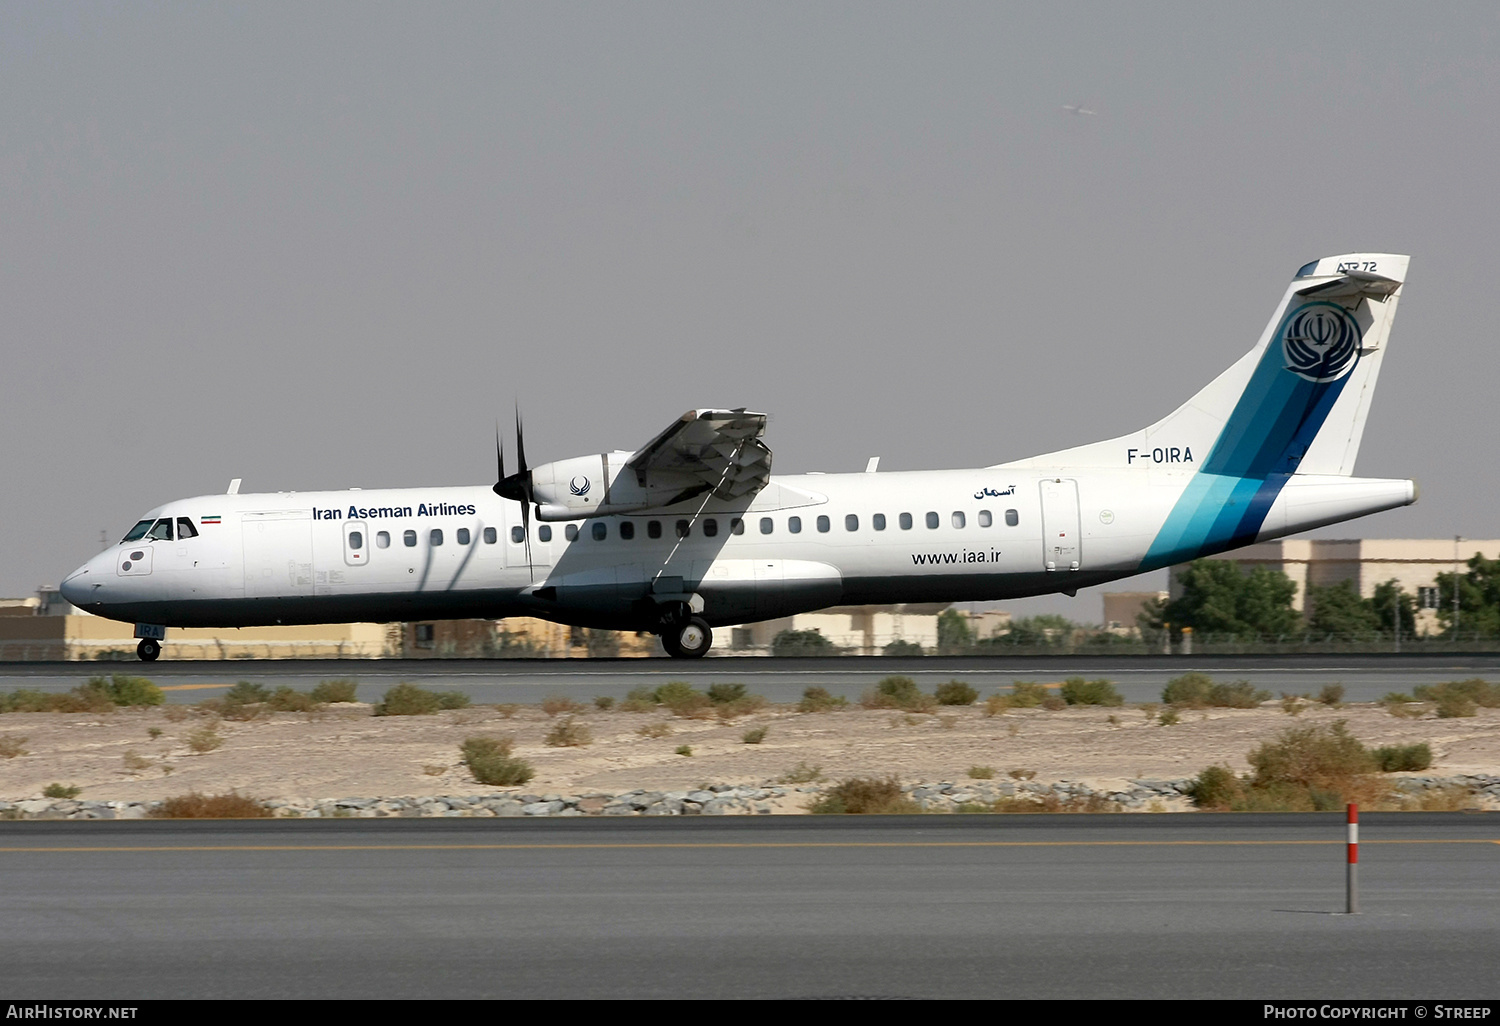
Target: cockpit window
[
  {"x": 162, "y": 531},
  {"x": 185, "y": 529},
  {"x": 138, "y": 532}
]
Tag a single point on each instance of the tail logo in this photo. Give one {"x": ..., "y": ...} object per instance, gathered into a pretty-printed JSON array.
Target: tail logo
[{"x": 1320, "y": 342}]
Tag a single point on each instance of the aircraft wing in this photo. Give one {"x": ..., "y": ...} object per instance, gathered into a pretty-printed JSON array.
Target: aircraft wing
[{"x": 719, "y": 449}]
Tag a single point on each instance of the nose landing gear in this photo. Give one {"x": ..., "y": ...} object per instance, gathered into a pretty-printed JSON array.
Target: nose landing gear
[{"x": 148, "y": 650}]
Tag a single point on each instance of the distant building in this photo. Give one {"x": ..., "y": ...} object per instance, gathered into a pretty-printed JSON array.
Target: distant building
[
  {"x": 1122, "y": 610},
  {"x": 857, "y": 630}
]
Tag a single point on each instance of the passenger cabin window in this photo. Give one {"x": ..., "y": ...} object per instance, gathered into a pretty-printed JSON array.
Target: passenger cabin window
[
  {"x": 878, "y": 521},
  {"x": 794, "y": 524},
  {"x": 822, "y": 525},
  {"x": 627, "y": 530},
  {"x": 162, "y": 531},
  {"x": 137, "y": 532},
  {"x": 517, "y": 535},
  {"x": 958, "y": 518},
  {"x": 185, "y": 529},
  {"x": 851, "y": 522},
  {"x": 570, "y": 532},
  {"x": 409, "y": 539},
  {"x": 767, "y": 525},
  {"x": 905, "y": 520},
  {"x": 932, "y": 520},
  {"x": 462, "y": 535},
  {"x": 601, "y": 530},
  {"x": 382, "y": 539},
  {"x": 491, "y": 536},
  {"x": 356, "y": 540},
  {"x": 710, "y": 528},
  {"x": 653, "y": 529},
  {"x": 1012, "y": 518},
  {"x": 544, "y": 533},
  {"x": 736, "y": 526},
  {"x": 435, "y": 537},
  {"x": 684, "y": 528},
  {"x": 985, "y": 520}
]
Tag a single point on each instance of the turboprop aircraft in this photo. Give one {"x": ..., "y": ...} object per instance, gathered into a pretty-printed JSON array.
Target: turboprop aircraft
[{"x": 691, "y": 531}]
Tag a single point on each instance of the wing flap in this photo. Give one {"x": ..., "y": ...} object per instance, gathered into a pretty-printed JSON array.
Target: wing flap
[{"x": 719, "y": 449}]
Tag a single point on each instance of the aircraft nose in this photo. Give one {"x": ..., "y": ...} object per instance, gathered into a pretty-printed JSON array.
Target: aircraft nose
[{"x": 76, "y": 586}]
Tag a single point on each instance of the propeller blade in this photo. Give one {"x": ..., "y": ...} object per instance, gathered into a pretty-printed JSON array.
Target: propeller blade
[
  {"x": 521, "y": 450},
  {"x": 499, "y": 462},
  {"x": 526, "y": 531}
]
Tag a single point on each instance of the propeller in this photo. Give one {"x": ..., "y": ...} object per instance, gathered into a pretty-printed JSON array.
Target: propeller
[{"x": 518, "y": 485}]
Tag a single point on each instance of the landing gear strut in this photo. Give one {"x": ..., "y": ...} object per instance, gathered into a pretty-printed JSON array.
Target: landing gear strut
[
  {"x": 148, "y": 650},
  {"x": 689, "y": 639}
]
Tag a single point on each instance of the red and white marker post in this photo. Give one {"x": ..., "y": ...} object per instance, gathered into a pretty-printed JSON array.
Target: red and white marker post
[{"x": 1353, "y": 863}]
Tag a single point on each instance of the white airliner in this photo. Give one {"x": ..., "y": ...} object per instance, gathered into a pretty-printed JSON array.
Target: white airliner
[{"x": 692, "y": 531}]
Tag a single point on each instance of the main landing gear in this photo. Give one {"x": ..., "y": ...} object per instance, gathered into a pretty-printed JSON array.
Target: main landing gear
[
  {"x": 148, "y": 650},
  {"x": 688, "y": 639}
]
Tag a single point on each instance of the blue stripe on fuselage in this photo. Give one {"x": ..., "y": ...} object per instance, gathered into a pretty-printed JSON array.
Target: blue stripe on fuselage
[{"x": 1273, "y": 423}]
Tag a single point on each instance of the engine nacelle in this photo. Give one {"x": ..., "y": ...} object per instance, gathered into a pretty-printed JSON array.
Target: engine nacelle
[{"x": 602, "y": 485}]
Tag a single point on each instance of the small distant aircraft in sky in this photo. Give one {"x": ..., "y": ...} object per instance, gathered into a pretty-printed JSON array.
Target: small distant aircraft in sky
[{"x": 1078, "y": 110}]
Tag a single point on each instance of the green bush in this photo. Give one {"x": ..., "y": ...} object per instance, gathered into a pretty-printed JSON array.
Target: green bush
[
  {"x": 722, "y": 694},
  {"x": 1077, "y": 691},
  {"x": 407, "y": 699},
  {"x": 639, "y": 700},
  {"x": 865, "y": 796},
  {"x": 61, "y": 791},
  {"x": 1403, "y": 758},
  {"x": 802, "y": 643},
  {"x": 1027, "y": 695},
  {"x": 218, "y": 806},
  {"x": 604, "y": 703},
  {"x": 290, "y": 700},
  {"x": 1216, "y": 788},
  {"x": 246, "y": 693},
  {"x": 897, "y": 693},
  {"x": 334, "y": 691},
  {"x": 491, "y": 761},
  {"x": 902, "y": 647},
  {"x": 682, "y": 698},
  {"x": 1332, "y": 695},
  {"x": 1478, "y": 691},
  {"x": 567, "y": 733},
  {"x": 955, "y": 692},
  {"x": 1198, "y": 690},
  {"x": 120, "y": 689},
  {"x": 755, "y": 736},
  {"x": 820, "y": 700}
]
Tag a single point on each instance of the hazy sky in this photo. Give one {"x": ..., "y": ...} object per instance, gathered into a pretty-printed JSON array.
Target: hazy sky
[{"x": 324, "y": 245}]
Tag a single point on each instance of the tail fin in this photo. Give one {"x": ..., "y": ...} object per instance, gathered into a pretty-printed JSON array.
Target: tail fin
[{"x": 1297, "y": 402}]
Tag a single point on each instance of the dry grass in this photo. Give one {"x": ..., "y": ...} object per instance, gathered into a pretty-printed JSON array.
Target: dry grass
[
  {"x": 555, "y": 704},
  {"x": 865, "y": 796},
  {"x": 568, "y": 733},
  {"x": 655, "y": 730},
  {"x": 12, "y": 746},
  {"x": 205, "y": 739}
]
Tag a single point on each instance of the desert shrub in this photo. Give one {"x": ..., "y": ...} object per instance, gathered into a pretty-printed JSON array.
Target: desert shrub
[
  {"x": 135, "y": 762},
  {"x": 1216, "y": 788},
  {"x": 1077, "y": 691},
  {"x": 655, "y": 730},
  {"x": 1025, "y": 694},
  {"x": 820, "y": 700},
  {"x": 407, "y": 699},
  {"x": 1053, "y": 803},
  {"x": 865, "y": 796},
  {"x": 491, "y": 761},
  {"x": 720, "y": 694},
  {"x": 554, "y": 704},
  {"x": 801, "y": 773},
  {"x": 981, "y": 772},
  {"x": 1311, "y": 767},
  {"x": 61, "y": 791},
  {"x": 291, "y": 700},
  {"x": 80, "y": 699},
  {"x": 996, "y": 705},
  {"x": 1053, "y": 703},
  {"x": 682, "y": 698},
  {"x": 1480, "y": 692},
  {"x": 1169, "y": 717},
  {"x": 802, "y": 643},
  {"x": 639, "y": 700},
  {"x": 1403, "y": 758},
  {"x": 218, "y": 806},
  {"x": 897, "y": 693},
  {"x": 1332, "y": 695},
  {"x": 730, "y": 700},
  {"x": 955, "y": 692},
  {"x": 1452, "y": 798},
  {"x": 1453, "y": 705},
  {"x": 568, "y": 733},
  {"x": 331, "y": 692},
  {"x": 683, "y": 750},
  {"x": 204, "y": 740},
  {"x": 13, "y": 746},
  {"x": 755, "y": 736},
  {"x": 246, "y": 693},
  {"x": 1198, "y": 690},
  {"x": 1291, "y": 704},
  {"x": 604, "y": 703},
  {"x": 1021, "y": 774},
  {"x": 122, "y": 689},
  {"x": 902, "y": 647}
]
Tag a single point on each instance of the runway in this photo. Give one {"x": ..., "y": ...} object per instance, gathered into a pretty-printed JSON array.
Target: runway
[
  {"x": 1178, "y": 906},
  {"x": 1140, "y": 679}
]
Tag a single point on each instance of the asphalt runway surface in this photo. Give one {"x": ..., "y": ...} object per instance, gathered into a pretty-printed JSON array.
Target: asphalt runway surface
[
  {"x": 1165, "y": 906},
  {"x": 1365, "y": 678}
]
